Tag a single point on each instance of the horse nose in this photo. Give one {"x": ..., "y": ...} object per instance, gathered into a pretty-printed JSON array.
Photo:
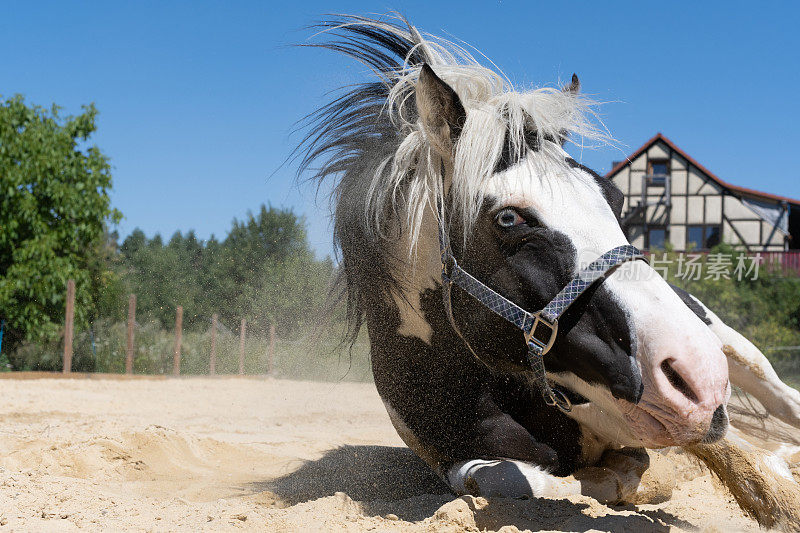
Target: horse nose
[
  {"x": 686, "y": 381},
  {"x": 689, "y": 387}
]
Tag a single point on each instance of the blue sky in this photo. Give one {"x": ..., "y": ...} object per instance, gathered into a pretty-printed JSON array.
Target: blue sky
[{"x": 198, "y": 99}]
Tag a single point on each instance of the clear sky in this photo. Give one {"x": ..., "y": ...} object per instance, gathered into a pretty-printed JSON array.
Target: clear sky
[{"x": 197, "y": 99}]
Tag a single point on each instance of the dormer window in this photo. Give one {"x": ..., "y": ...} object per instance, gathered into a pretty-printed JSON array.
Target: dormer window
[{"x": 657, "y": 172}]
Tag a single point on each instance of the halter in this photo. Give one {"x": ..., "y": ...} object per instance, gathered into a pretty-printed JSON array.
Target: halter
[{"x": 540, "y": 328}]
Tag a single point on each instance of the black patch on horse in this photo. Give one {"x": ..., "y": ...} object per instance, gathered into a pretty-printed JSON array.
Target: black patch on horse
[
  {"x": 459, "y": 409},
  {"x": 692, "y": 303},
  {"x": 512, "y": 155},
  {"x": 529, "y": 265}
]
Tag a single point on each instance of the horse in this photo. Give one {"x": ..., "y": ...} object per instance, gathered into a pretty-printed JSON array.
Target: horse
[{"x": 442, "y": 170}]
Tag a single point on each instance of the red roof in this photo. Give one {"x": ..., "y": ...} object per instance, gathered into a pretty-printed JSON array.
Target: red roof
[{"x": 729, "y": 186}]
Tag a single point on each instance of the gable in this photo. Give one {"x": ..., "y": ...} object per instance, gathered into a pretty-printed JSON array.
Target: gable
[
  {"x": 689, "y": 178},
  {"x": 694, "y": 196},
  {"x": 658, "y": 145}
]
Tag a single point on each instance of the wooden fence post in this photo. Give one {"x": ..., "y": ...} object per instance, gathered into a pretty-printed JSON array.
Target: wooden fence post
[
  {"x": 68, "y": 327},
  {"x": 271, "y": 348},
  {"x": 212, "y": 365},
  {"x": 176, "y": 356},
  {"x": 131, "y": 325},
  {"x": 241, "y": 346}
]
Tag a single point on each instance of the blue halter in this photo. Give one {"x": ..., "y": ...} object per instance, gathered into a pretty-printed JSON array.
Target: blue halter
[{"x": 540, "y": 328}]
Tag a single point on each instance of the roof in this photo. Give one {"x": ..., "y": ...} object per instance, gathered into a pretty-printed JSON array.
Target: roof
[{"x": 742, "y": 190}]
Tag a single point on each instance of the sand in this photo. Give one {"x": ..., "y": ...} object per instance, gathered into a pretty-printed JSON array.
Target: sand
[{"x": 270, "y": 455}]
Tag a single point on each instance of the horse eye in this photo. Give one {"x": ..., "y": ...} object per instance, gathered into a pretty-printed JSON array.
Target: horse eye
[{"x": 508, "y": 218}]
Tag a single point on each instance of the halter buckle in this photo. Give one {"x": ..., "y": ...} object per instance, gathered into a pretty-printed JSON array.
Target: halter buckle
[{"x": 542, "y": 334}]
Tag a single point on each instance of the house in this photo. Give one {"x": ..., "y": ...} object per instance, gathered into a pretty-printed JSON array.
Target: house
[{"x": 671, "y": 198}]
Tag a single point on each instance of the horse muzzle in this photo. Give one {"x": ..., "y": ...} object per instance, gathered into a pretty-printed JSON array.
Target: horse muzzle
[{"x": 684, "y": 400}]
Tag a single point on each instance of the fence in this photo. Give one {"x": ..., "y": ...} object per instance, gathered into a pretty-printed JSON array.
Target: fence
[
  {"x": 131, "y": 347},
  {"x": 785, "y": 262}
]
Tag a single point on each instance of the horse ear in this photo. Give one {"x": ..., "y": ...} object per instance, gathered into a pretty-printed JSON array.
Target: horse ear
[
  {"x": 574, "y": 87},
  {"x": 440, "y": 111}
]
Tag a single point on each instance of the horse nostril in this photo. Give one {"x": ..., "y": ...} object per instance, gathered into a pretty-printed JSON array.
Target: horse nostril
[
  {"x": 678, "y": 382},
  {"x": 719, "y": 425}
]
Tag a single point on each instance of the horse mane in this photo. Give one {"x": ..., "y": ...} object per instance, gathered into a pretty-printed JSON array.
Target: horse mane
[{"x": 368, "y": 142}]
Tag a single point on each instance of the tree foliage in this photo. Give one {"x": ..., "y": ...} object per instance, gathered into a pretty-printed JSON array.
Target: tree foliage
[
  {"x": 264, "y": 271},
  {"x": 54, "y": 210}
]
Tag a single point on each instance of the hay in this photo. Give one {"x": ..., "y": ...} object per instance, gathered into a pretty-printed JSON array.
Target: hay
[{"x": 771, "y": 499}]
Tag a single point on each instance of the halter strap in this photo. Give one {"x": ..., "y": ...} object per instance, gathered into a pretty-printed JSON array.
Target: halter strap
[{"x": 540, "y": 328}]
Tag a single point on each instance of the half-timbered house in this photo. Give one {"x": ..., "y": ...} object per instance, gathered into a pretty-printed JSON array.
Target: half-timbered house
[{"x": 671, "y": 198}]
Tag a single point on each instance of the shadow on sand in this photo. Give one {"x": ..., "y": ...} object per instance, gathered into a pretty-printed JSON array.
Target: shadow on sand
[
  {"x": 563, "y": 515},
  {"x": 387, "y": 479},
  {"x": 376, "y": 476}
]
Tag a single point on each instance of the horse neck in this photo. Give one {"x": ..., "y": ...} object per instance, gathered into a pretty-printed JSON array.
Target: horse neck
[{"x": 421, "y": 273}]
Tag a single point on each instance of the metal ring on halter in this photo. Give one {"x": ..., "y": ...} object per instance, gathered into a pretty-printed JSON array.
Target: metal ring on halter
[{"x": 558, "y": 399}]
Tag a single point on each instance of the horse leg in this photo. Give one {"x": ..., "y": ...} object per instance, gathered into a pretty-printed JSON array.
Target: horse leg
[
  {"x": 751, "y": 371},
  {"x": 517, "y": 465},
  {"x": 508, "y": 478},
  {"x": 615, "y": 479},
  {"x": 775, "y": 462}
]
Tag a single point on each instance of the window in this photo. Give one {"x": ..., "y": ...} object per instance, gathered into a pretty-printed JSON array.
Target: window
[
  {"x": 713, "y": 236},
  {"x": 657, "y": 172},
  {"x": 656, "y": 238},
  {"x": 702, "y": 237},
  {"x": 694, "y": 237},
  {"x": 659, "y": 168}
]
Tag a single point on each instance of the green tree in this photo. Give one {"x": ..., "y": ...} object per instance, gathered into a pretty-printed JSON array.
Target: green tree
[
  {"x": 263, "y": 271},
  {"x": 161, "y": 277},
  {"x": 255, "y": 250},
  {"x": 54, "y": 213},
  {"x": 289, "y": 293}
]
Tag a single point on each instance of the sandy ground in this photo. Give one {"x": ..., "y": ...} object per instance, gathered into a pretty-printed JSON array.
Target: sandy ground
[{"x": 262, "y": 454}]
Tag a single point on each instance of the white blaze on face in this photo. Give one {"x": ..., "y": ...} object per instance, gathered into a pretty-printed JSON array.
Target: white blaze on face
[
  {"x": 684, "y": 371},
  {"x": 565, "y": 199}
]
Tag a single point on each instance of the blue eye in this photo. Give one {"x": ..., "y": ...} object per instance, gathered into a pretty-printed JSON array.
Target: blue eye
[{"x": 508, "y": 218}]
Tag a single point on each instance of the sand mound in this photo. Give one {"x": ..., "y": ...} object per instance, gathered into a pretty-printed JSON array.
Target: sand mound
[
  {"x": 220, "y": 454},
  {"x": 156, "y": 451}
]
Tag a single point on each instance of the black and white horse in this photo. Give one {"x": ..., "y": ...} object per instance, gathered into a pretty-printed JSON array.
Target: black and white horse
[{"x": 439, "y": 138}]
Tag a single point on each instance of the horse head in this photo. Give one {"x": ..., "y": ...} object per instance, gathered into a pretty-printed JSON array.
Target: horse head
[{"x": 654, "y": 374}]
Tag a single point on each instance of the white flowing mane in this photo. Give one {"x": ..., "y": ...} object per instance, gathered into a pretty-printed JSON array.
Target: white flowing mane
[
  {"x": 407, "y": 179},
  {"x": 370, "y": 142}
]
